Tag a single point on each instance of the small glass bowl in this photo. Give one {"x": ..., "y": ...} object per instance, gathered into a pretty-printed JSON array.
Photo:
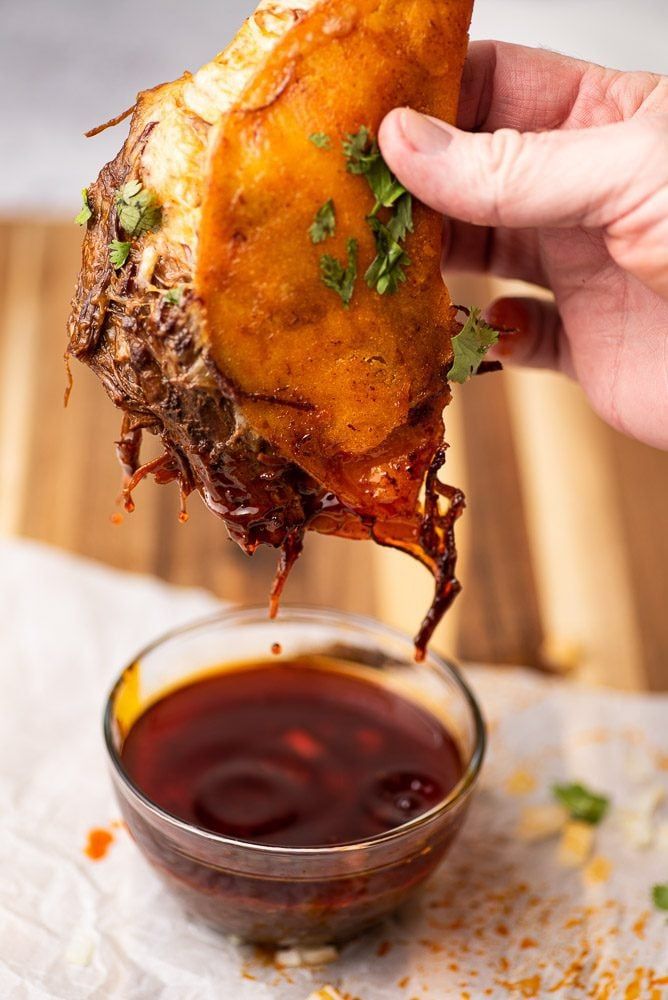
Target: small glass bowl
[{"x": 284, "y": 896}]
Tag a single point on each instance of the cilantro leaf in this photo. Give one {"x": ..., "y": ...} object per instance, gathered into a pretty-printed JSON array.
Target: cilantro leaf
[
  {"x": 86, "y": 212},
  {"x": 138, "y": 209},
  {"x": 660, "y": 896},
  {"x": 582, "y": 803},
  {"x": 361, "y": 151},
  {"x": 387, "y": 272},
  {"x": 173, "y": 296},
  {"x": 385, "y": 186},
  {"x": 324, "y": 224},
  {"x": 119, "y": 253},
  {"x": 130, "y": 189},
  {"x": 402, "y": 223},
  {"x": 321, "y": 140},
  {"x": 364, "y": 157},
  {"x": 470, "y": 347},
  {"x": 339, "y": 278}
]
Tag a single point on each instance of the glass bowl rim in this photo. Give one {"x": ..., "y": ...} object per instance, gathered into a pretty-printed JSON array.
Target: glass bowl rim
[{"x": 439, "y": 664}]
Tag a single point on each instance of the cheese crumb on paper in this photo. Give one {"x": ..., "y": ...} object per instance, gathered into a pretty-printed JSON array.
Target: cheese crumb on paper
[
  {"x": 649, "y": 799},
  {"x": 297, "y": 958},
  {"x": 541, "y": 822},
  {"x": 521, "y": 783},
  {"x": 326, "y": 993},
  {"x": 661, "y": 838},
  {"x": 577, "y": 842},
  {"x": 82, "y": 947},
  {"x": 637, "y": 821},
  {"x": 637, "y": 829}
]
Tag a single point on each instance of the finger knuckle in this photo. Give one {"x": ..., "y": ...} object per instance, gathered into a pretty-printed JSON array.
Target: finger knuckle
[
  {"x": 660, "y": 139},
  {"x": 500, "y": 169}
]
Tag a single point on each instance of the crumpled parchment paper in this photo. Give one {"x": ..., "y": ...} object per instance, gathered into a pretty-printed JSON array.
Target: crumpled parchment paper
[{"x": 502, "y": 919}]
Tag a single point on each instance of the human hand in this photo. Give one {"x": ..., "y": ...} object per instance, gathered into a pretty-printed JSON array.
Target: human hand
[{"x": 563, "y": 183}]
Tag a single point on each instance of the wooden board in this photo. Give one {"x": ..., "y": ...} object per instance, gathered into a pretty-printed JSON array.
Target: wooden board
[{"x": 564, "y": 546}]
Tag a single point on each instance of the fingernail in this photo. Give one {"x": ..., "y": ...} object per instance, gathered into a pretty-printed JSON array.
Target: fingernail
[
  {"x": 424, "y": 135},
  {"x": 511, "y": 318}
]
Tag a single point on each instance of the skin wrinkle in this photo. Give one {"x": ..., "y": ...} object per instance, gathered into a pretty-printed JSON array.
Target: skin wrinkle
[
  {"x": 493, "y": 84},
  {"x": 629, "y": 103},
  {"x": 549, "y": 322},
  {"x": 488, "y": 251},
  {"x": 565, "y": 362},
  {"x": 476, "y": 103},
  {"x": 626, "y": 228},
  {"x": 512, "y": 159},
  {"x": 596, "y": 88},
  {"x": 602, "y": 178},
  {"x": 616, "y": 418},
  {"x": 507, "y": 253},
  {"x": 510, "y": 173},
  {"x": 589, "y": 108},
  {"x": 643, "y": 198},
  {"x": 484, "y": 85},
  {"x": 506, "y": 151},
  {"x": 557, "y": 242}
]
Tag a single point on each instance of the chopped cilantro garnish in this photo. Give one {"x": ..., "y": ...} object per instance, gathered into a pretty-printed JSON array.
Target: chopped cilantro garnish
[
  {"x": 387, "y": 271},
  {"x": 470, "y": 347},
  {"x": 173, "y": 296},
  {"x": 582, "y": 803},
  {"x": 86, "y": 212},
  {"x": 321, "y": 140},
  {"x": 339, "y": 278},
  {"x": 361, "y": 151},
  {"x": 324, "y": 224},
  {"x": 364, "y": 157},
  {"x": 119, "y": 253},
  {"x": 403, "y": 219},
  {"x": 138, "y": 209},
  {"x": 660, "y": 896},
  {"x": 385, "y": 186}
]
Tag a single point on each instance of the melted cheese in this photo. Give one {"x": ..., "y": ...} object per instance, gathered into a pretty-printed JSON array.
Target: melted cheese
[{"x": 174, "y": 157}]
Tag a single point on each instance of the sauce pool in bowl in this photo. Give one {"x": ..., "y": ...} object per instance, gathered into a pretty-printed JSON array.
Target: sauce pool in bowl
[
  {"x": 296, "y": 799},
  {"x": 296, "y": 754}
]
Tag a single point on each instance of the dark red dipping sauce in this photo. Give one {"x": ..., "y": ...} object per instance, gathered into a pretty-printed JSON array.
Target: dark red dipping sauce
[{"x": 291, "y": 755}]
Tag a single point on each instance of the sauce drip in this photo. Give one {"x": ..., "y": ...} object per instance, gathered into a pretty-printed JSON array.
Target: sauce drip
[{"x": 291, "y": 755}]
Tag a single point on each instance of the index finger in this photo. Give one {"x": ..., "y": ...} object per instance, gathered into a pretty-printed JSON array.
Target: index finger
[{"x": 513, "y": 86}]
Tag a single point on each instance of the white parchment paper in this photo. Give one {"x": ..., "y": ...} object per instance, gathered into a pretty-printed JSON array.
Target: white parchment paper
[{"x": 502, "y": 918}]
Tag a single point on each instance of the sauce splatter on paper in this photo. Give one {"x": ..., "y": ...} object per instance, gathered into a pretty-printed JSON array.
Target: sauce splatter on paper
[{"x": 98, "y": 843}]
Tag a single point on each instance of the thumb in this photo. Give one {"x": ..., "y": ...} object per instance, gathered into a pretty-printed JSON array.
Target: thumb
[{"x": 613, "y": 177}]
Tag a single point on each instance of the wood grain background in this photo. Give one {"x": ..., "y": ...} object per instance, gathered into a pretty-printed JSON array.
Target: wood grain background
[{"x": 564, "y": 545}]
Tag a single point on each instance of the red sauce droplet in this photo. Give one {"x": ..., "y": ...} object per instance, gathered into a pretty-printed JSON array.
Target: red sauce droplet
[
  {"x": 276, "y": 649},
  {"x": 116, "y": 519},
  {"x": 98, "y": 843}
]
